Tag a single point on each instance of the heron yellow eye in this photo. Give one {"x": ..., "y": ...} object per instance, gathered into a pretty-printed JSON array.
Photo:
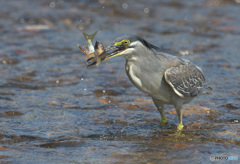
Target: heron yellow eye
[{"x": 125, "y": 42}]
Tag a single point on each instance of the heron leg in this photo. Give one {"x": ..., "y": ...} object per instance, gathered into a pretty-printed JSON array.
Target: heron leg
[
  {"x": 179, "y": 113},
  {"x": 164, "y": 118},
  {"x": 160, "y": 108}
]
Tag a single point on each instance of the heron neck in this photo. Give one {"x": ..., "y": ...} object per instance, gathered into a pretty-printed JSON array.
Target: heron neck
[{"x": 140, "y": 53}]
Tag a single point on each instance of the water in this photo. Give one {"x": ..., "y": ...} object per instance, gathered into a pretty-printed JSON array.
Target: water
[{"x": 55, "y": 110}]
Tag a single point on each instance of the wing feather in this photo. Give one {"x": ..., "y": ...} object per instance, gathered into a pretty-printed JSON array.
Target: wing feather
[{"x": 186, "y": 80}]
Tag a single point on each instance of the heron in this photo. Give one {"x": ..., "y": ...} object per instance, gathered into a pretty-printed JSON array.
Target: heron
[{"x": 168, "y": 79}]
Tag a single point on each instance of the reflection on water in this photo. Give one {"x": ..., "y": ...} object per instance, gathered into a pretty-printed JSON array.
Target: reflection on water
[{"x": 53, "y": 109}]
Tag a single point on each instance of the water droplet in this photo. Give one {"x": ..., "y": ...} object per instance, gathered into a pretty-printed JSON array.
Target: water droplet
[
  {"x": 81, "y": 27},
  {"x": 146, "y": 10},
  {"x": 87, "y": 20},
  {"x": 101, "y": 1},
  {"x": 185, "y": 52},
  {"x": 82, "y": 79},
  {"x": 52, "y": 4},
  {"x": 125, "y": 6},
  {"x": 85, "y": 89},
  {"x": 60, "y": 1}
]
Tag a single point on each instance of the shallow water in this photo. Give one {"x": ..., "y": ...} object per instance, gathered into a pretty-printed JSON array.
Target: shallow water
[{"x": 55, "y": 110}]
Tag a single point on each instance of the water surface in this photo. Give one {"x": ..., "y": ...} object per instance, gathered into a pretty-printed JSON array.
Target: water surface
[{"x": 55, "y": 110}]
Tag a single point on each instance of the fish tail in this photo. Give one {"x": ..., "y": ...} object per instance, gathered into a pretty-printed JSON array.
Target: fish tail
[{"x": 89, "y": 37}]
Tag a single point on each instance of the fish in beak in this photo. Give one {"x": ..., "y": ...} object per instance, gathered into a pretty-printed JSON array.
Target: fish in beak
[
  {"x": 115, "y": 49},
  {"x": 89, "y": 52},
  {"x": 95, "y": 54},
  {"x": 100, "y": 54}
]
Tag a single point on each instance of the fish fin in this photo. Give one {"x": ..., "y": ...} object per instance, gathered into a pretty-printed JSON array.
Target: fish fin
[
  {"x": 98, "y": 60},
  {"x": 91, "y": 64},
  {"x": 90, "y": 59},
  {"x": 103, "y": 55},
  {"x": 96, "y": 45},
  {"x": 89, "y": 37},
  {"x": 84, "y": 52},
  {"x": 91, "y": 56}
]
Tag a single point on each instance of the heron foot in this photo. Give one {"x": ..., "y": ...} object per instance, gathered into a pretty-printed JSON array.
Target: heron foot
[
  {"x": 164, "y": 121},
  {"x": 180, "y": 126},
  {"x": 178, "y": 133}
]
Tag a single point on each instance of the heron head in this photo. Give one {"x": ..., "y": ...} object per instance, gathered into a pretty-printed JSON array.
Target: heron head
[{"x": 127, "y": 45}]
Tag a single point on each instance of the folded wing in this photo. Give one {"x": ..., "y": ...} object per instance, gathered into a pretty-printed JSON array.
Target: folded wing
[{"x": 186, "y": 80}]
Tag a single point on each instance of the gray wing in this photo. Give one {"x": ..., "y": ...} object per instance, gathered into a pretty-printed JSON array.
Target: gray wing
[{"x": 186, "y": 80}]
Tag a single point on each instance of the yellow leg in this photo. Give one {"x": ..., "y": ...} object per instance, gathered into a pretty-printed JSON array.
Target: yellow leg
[
  {"x": 179, "y": 131},
  {"x": 164, "y": 120},
  {"x": 179, "y": 113},
  {"x": 180, "y": 126},
  {"x": 160, "y": 108}
]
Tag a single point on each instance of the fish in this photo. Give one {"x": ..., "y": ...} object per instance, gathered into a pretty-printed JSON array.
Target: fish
[
  {"x": 100, "y": 50},
  {"x": 100, "y": 54},
  {"x": 95, "y": 54},
  {"x": 90, "y": 51}
]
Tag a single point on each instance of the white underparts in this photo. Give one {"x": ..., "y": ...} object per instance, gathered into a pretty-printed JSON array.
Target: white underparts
[{"x": 134, "y": 77}]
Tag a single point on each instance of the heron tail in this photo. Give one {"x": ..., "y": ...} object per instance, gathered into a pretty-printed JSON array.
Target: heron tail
[{"x": 206, "y": 90}]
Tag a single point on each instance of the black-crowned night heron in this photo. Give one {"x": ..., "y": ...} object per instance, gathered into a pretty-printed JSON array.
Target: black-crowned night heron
[{"x": 167, "y": 79}]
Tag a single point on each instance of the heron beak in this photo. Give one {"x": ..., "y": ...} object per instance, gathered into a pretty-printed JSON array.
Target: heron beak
[{"x": 114, "y": 50}]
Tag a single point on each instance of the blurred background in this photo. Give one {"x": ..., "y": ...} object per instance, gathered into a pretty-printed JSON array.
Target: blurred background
[{"x": 55, "y": 110}]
